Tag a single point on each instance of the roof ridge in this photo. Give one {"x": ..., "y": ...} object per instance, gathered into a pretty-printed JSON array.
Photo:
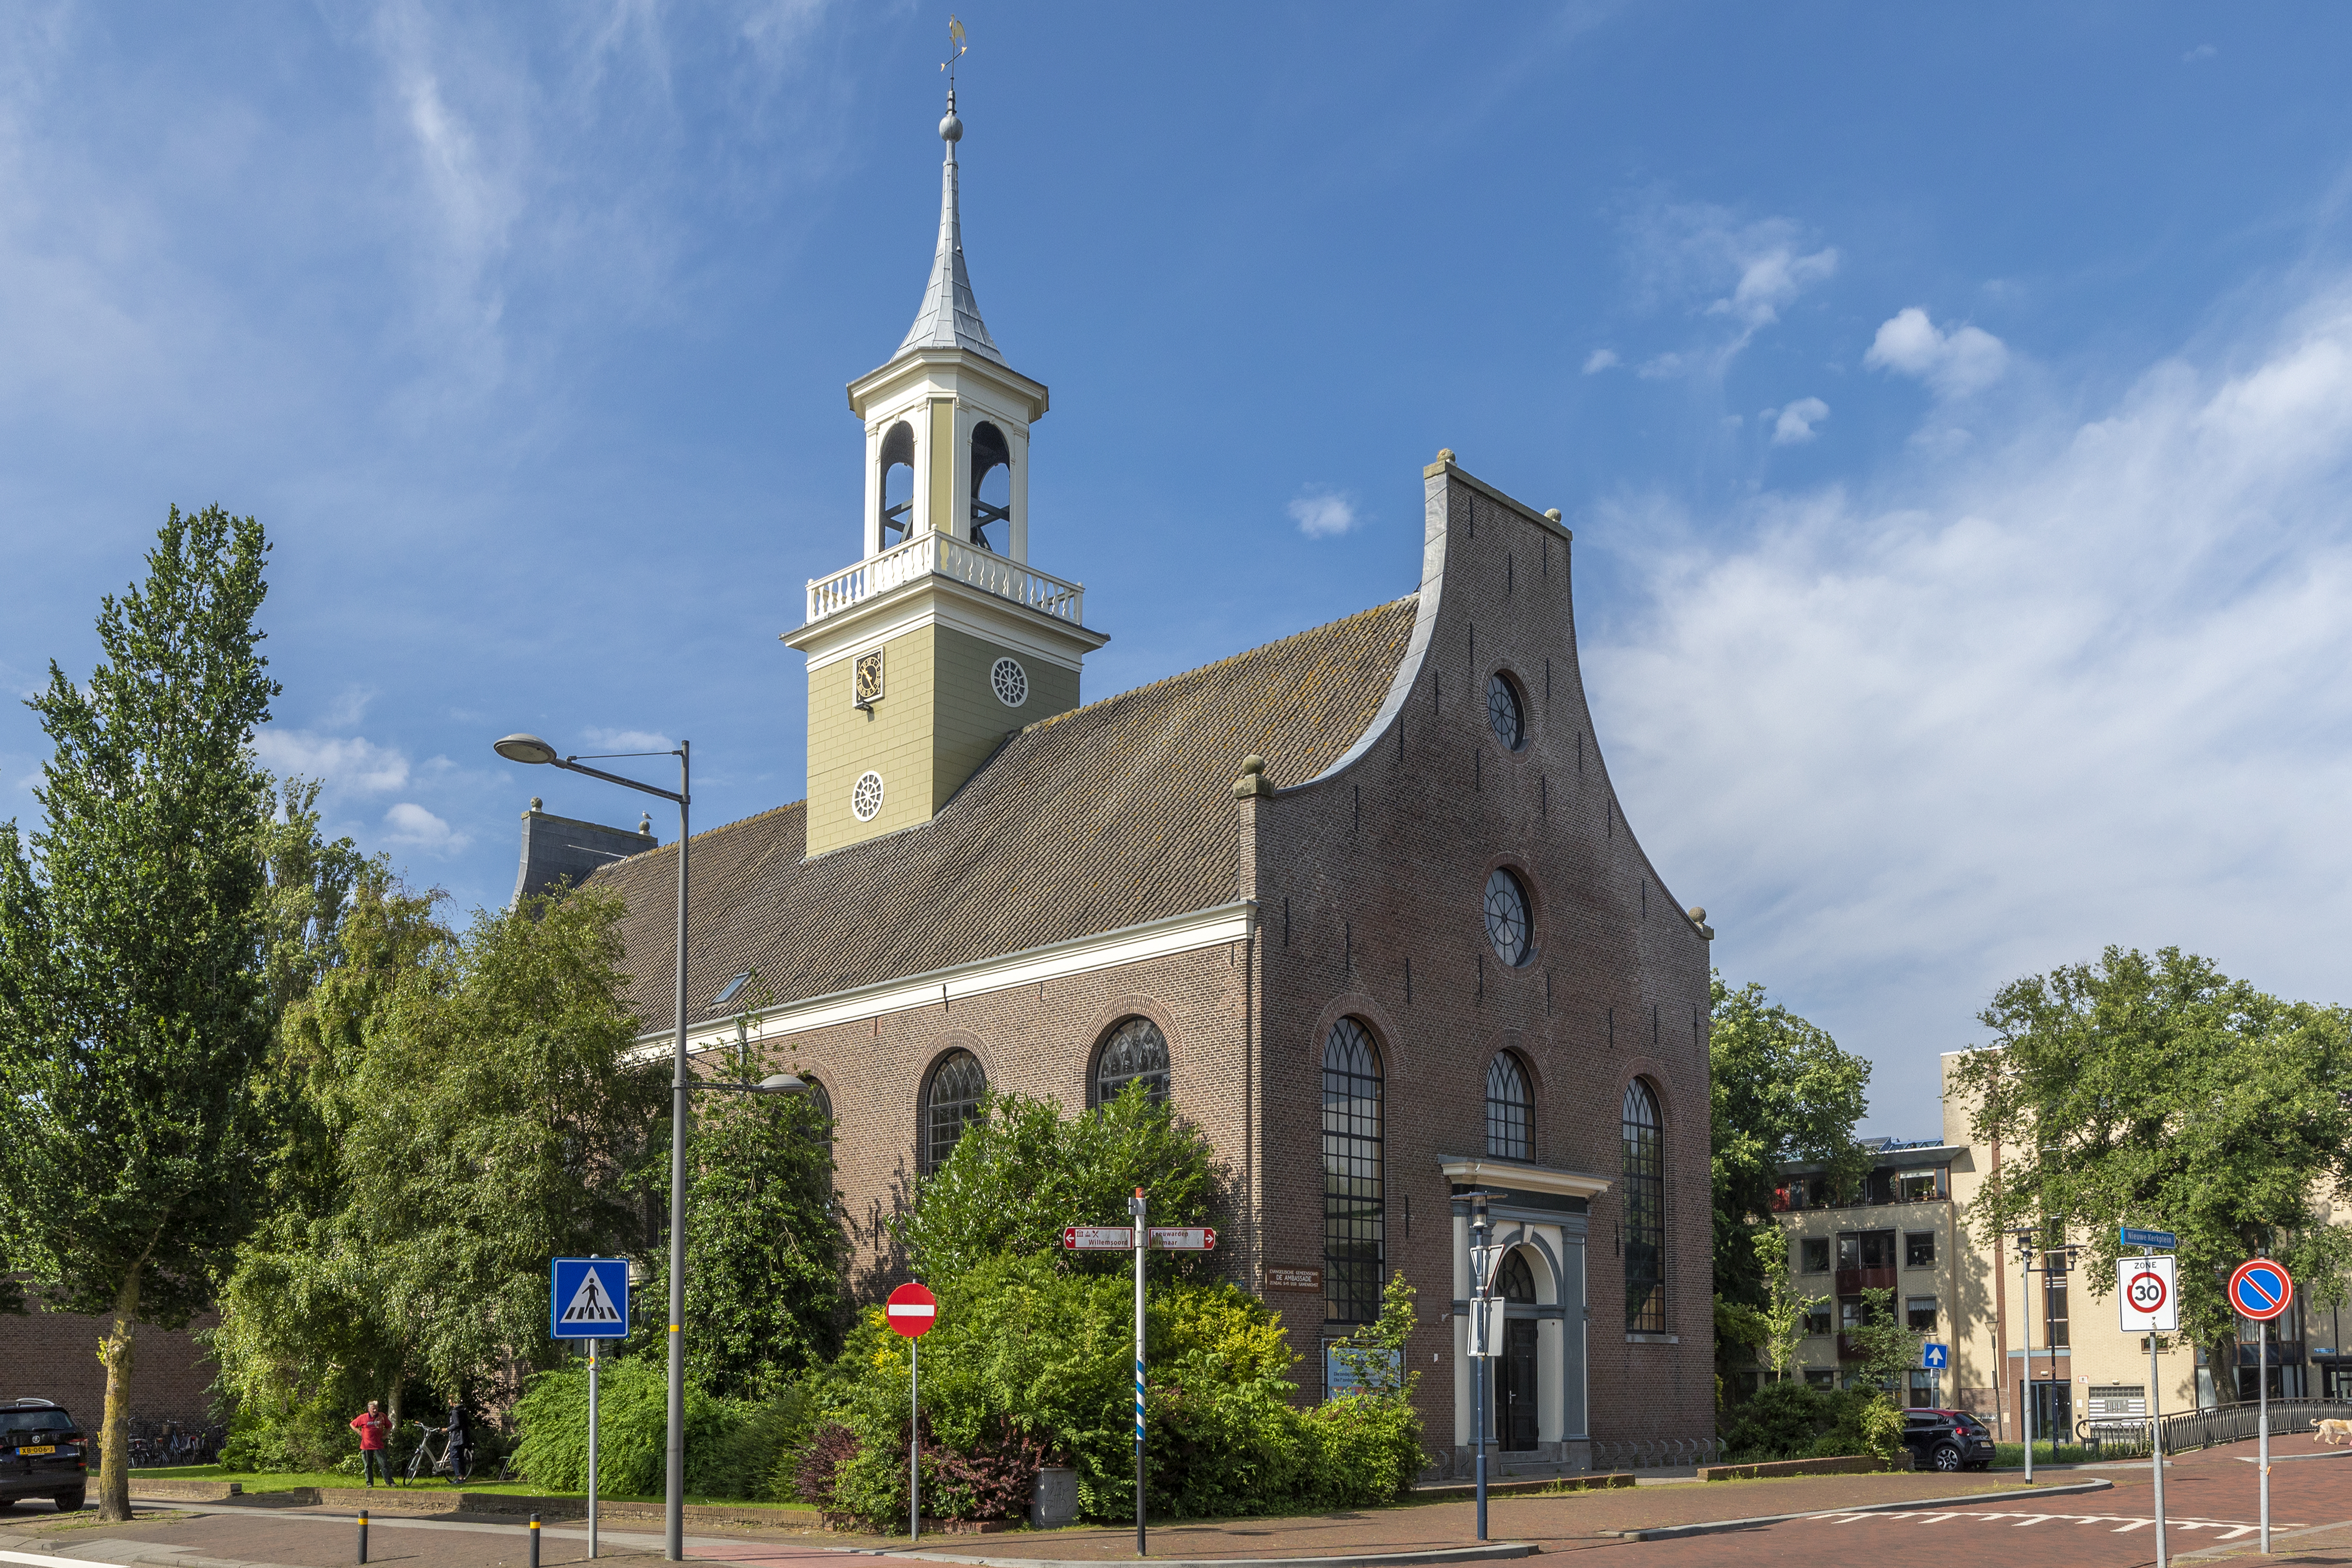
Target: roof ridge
[
  {"x": 714, "y": 832},
  {"x": 1217, "y": 663}
]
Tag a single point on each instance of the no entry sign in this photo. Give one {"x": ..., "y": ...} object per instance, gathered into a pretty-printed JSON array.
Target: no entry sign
[
  {"x": 2261, "y": 1288},
  {"x": 2146, "y": 1296},
  {"x": 912, "y": 1311}
]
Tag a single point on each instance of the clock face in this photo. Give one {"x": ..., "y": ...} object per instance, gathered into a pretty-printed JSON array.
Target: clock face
[{"x": 868, "y": 681}]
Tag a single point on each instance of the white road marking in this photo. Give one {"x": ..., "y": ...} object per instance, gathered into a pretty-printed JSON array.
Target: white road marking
[
  {"x": 36, "y": 1560},
  {"x": 2119, "y": 1524}
]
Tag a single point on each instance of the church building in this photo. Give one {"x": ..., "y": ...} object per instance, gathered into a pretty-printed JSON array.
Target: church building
[{"x": 1362, "y": 901}]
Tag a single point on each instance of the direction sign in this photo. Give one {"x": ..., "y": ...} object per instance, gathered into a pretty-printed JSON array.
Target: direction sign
[
  {"x": 2145, "y": 1295},
  {"x": 1098, "y": 1237},
  {"x": 1935, "y": 1357},
  {"x": 2261, "y": 1288},
  {"x": 2162, "y": 1240},
  {"x": 912, "y": 1311},
  {"x": 588, "y": 1298},
  {"x": 1181, "y": 1238}
]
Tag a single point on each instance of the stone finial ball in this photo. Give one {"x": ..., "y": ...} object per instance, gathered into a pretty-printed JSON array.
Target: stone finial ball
[
  {"x": 1445, "y": 454},
  {"x": 1252, "y": 763},
  {"x": 1698, "y": 915},
  {"x": 950, "y": 128},
  {"x": 1553, "y": 513},
  {"x": 535, "y": 806}
]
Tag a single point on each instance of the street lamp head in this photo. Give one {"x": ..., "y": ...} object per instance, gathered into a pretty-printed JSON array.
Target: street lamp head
[
  {"x": 780, "y": 1083},
  {"x": 524, "y": 748}
]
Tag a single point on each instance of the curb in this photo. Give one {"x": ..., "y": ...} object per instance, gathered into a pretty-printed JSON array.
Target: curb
[
  {"x": 1716, "y": 1526},
  {"x": 1487, "y": 1553}
]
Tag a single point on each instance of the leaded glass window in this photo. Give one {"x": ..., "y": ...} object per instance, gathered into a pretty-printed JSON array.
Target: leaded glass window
[
  {"x": 1510, "y": 1110},
  {"x": 1503, "y": 714},
  {"x": 1514, "y": 1281},
  {"x": 823, "y": 1103},
  {"x": 1644, "y": 1190},
  {"x": 1136, "y": 1049},
  {"x": 1351, "y": 1175},
  {"x": 1507, "y": 926},
  {"x": 951, "y": 1099}
]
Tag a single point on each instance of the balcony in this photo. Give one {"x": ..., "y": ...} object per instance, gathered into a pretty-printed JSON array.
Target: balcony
[{"x": 942, "y": 555}]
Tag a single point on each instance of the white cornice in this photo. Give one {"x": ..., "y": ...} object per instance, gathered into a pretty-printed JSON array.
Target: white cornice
[
  {"x": 1211, "y": 927},
  {"x": 935, "y": 597},
  {"x": 1522, "y": 1175}
]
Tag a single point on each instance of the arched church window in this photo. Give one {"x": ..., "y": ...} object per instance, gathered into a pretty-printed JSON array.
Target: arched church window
[
  {"x": 1135, "y": 1051},
  {"x": 1510, "y": 1110},
  {"x": 950, "y": 1101},
  {"x": 897, "y": 483},
  {"x": 1514, "y": 1281},
  {"x": 1508, "y": 927},
  {"x": 1505, "y": 714},
  {"x": 991, "y": 486},
  {"x": 823, "y": 1103},
  {"x": 1645, "y": 1224},
  {"x": 1351, "y": 1175}
]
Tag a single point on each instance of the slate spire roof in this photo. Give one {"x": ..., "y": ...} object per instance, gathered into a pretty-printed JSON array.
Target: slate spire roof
[{"x": 949, "y": 317}]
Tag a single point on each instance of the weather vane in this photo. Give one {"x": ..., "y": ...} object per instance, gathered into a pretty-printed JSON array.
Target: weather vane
[{"x": 956, "y": 47}]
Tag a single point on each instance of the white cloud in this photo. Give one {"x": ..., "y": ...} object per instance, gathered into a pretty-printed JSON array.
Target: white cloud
[
  {"x": 1796, "y": 421},
  {"x": 341, "y": 762},
  {"x": 1910, "y": 742},
  {"x": 1706, "y": 261},
  {"x": 350, "y": 707},
  {"x": 1659, "y": 368},
  {"x": 1599, "y": 360},
  {"x": 629, "y": 740},
  {"x": 2201, "y": 52},
  {"x": 1964, "y": 360},
  {"x": 411, "y": 825},
  {"x": 1770, "y": 280},
  {"x": 1322, "y": 514}
]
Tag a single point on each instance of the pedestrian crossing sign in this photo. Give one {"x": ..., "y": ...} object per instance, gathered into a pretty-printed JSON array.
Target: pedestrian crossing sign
[{"x": 588, "y": 1298}]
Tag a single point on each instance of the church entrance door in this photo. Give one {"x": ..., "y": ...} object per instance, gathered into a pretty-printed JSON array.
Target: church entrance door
[{"x": 1517, "y": 1425}]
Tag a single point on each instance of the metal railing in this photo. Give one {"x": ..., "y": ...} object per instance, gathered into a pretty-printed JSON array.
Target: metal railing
[
  {"x": 1660, "y": 1454},
  {"x": 943, "y": 556},
  {"x": 2190, "y": 1429}
]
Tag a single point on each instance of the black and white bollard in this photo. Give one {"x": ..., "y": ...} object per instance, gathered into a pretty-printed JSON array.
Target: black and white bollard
[{"x": 363, "y": 1535}]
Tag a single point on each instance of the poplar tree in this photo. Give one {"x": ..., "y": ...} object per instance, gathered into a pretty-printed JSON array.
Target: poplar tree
[{"x": 134, "y": 1007}]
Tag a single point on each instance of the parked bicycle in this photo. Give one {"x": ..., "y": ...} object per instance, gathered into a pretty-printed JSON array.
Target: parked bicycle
[{"x": 425, "y": 1463}]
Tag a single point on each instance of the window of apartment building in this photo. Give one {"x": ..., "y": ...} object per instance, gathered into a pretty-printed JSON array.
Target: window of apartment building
[
  {"x": 1866, "y": 1249},
  {"x": 1853, "y": 1312},
  {"x": 1922, "y": 1390},
  {"x": 1919, "y": 1312},
  {"x": 1816, "y": 1254},
  {"x": 1820, "y": 1380},
  {"x": 1817, "y": 1317},
  {"x": 1918, "y": 1250},
  {"x": 1917, "y": 1187}
]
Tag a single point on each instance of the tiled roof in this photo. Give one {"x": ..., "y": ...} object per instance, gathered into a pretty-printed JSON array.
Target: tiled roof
[{"x": 1112, "y": 814}]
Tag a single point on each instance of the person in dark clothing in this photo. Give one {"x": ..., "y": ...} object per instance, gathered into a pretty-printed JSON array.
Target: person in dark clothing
[
  {"x": 461, "y": 1441},
  {"x": 373, "y": 1426}
]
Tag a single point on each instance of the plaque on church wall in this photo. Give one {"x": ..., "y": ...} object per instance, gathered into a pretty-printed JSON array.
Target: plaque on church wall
[{"x": 1294, "y": 1278}]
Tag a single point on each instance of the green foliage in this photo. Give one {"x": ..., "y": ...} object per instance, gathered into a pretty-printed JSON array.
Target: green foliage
[
  {"x": 1024, "y": 1349},
  {"x": 2162, "y": 1092},
  {"x": 1889, "y": 1349},
  {"x": 765, "y": 1246},
  {"x": 732, "y": 1446},
  {"x": 1022, "y": 1171},
  {"x": 282, "y": 1434},
  {"x": 1795, "y": 1421},
  {"x": 133, "y": 1005},
  {"x": 1782, "y": 1090}
]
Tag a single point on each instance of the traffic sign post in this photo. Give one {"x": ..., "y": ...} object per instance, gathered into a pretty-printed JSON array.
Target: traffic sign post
[
  {"x": 1135, "y": 1211},
  {"x": 2148, "y": 1301},
  {"x": 2261, "y": 1289},
  {"x": 2159, "y": 1240},
  {"x": 1933, "y": 1357},
  {"x": 912, "y": 1312},
  {"x": 588, "y": 1298}
]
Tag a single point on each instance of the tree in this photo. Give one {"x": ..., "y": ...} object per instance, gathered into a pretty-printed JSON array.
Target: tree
[
  {"x": 1782, "y": 1090},
  {"x": 2161, "y": 1092},
  {"x": 133, "y": 1003},
  {"x": 1782, "y": 1318},
  {"x": 1022, "y": 1171}
]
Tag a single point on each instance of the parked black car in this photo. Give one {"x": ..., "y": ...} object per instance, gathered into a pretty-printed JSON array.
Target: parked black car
[
  {"x": 42, "y": 1453},
  {"x": 1946, "y": 1440}
]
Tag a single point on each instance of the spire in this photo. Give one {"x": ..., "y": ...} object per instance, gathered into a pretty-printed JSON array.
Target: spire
[{"x": 949, "y": 317}]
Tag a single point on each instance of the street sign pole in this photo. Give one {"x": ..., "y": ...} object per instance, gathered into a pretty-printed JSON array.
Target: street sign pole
[
  {"x": 2261, "y": 1289},
  {"x": 1142, "y": 1240},
  {"x": 2263, "y": 1409},
  {"x": 594, "y": 1357},
  {"x": 914, "y": 1440},
  {"x": 2025, "y": 1257},
  {"x": 1480, "y": 1349}
]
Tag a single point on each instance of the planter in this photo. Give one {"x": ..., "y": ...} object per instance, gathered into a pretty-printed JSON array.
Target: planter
[{"x": 1053, "y": 1500}]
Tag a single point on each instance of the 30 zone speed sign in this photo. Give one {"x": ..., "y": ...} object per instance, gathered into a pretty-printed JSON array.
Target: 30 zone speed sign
[{"x": 2144, "y": 1290}]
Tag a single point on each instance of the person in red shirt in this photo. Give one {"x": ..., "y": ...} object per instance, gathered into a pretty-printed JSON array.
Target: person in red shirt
[{"x": 373, "y": 1426}]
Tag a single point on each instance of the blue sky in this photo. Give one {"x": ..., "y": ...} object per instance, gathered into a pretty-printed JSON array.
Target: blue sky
[{"x": 1953, "y": 409}]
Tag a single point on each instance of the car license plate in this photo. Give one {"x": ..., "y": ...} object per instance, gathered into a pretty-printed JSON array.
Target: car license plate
[{"x": 39, "y": 1448}]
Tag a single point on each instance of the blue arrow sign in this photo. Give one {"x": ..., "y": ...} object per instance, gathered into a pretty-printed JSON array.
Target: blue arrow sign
[
  {"x": 1934, "y": 1356},
  {"x": 588, "y": 1298},
  {"x": 2163, "y": 1240}
]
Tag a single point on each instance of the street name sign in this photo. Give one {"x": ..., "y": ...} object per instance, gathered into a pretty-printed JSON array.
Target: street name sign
[
  {"x": 1098, "y": 1237},
  {"x": 1181, "y": 1238},
  {"x": 2162, "y": 1240},
  {"x": 1935, "y": 1357},
  {"x": 2261, "y": 1288},
  {"x": 588, "y": 1298},
  {"x": 912, "y": 1311},
  {"x": 2146, "y": 1295}
]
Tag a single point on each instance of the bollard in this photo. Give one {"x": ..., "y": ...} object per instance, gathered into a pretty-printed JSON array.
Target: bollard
[
  {"x": 363, "y": 1535},
  {"x": 534, "y": 1540}
]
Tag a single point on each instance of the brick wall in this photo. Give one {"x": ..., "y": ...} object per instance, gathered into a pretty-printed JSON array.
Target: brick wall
[{"x": 54, "y": 1356}]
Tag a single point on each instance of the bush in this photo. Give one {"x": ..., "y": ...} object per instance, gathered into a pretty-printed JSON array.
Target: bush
[
  {"x": 283, "y": 1438},
  {"x": 1795, "y": 1421},
  {"x": 734, "y": 1449}
]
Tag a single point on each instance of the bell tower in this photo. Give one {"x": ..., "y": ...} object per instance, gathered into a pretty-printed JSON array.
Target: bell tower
[{"x": 941, "y": 638}]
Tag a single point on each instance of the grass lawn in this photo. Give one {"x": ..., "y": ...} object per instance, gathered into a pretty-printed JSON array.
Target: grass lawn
[
  {"x": 278, "y": 1481},
  {"x": 2011, "y": 1456}
]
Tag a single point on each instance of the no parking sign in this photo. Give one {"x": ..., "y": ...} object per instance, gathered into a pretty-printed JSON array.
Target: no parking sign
[{"x": 2146, "y": 1294}]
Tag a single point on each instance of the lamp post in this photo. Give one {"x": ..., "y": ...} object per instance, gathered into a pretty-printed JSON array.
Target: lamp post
[
  {"x": 1481, "y": 1348},
  {"x": 531, "y": 749},
  {"x": 2025, "y": 1257}
]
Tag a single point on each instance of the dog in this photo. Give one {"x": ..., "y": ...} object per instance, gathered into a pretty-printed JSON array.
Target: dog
[{"x": 2332, "y": 1431}]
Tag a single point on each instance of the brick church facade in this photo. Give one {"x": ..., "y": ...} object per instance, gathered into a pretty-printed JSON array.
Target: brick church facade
[{"x": 1362, "y": 901}]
